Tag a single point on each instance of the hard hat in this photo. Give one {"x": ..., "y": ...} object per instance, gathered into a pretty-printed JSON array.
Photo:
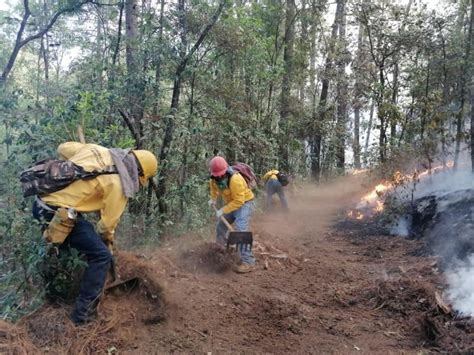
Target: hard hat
[
  {"x": 148, "y": 165},
  {"x": 218, "y": 166}
]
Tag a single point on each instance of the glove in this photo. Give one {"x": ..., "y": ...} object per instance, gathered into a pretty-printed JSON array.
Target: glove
[
  {"x": 211, "y": 203},
  {"x": 219, "y": 213}
]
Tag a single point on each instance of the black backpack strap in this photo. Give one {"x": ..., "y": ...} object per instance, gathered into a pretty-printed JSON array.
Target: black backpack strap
[
  {"x": 86, "y": 175},
  {"x": 111, "y": 169}
]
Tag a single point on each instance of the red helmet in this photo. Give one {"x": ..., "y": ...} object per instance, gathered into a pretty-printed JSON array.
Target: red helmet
[{"x": 218, "y": 166}]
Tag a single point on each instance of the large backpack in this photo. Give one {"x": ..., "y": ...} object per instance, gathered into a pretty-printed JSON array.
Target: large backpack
[
  {"x": 247, "y": 173},
  {"x": 51, "y": 175},
  {"x": 283, "y": 178}
]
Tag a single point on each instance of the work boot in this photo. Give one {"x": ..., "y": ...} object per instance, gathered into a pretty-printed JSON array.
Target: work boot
[
  {"x": 244, "y": 268},
  {"x": 82, "y": 315},
  {"x": 77, "y": 319}
]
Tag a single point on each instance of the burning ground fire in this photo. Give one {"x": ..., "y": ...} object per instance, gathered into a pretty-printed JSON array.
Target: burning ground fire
[{"x": 372, "y": 203}]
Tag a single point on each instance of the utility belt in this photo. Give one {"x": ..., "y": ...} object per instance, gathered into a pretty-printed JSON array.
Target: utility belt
[{"x": 60, "y": 225}]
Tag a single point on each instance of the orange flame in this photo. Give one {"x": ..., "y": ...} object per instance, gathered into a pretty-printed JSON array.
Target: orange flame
[
  {"x": 355, "y": 214},
  {"x": 373, "y": 202},
  {"x": 359, "y": 171}
]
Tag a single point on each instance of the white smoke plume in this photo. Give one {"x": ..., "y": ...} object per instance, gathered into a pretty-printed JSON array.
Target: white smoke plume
[
  {"x": 450, "y": 232},
  {"x": 461, "y": 287}
]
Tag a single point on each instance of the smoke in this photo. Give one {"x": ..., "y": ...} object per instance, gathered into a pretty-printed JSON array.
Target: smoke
[
  {"x": 401, "y": 227},
  {"x": 445, "y": 205},
  {"x": 461, "y": 287},
  {"x": 443, "y": 183}
]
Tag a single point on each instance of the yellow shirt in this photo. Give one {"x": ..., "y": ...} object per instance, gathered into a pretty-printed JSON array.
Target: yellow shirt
[
  {"x": 103, "y": 193},
  {"x": 271, "y": 175},
  {"x": 235, "y": 195}
]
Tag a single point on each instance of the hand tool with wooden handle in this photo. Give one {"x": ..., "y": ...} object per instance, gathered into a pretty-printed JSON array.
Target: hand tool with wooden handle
[{"x": 241, "y": 240}]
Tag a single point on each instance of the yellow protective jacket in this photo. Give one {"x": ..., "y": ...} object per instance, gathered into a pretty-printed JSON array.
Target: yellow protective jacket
[
  {"x": 235, "y": 195},
  {"x": 271, "y": 175},
  {"x": 103, "y": 193}
]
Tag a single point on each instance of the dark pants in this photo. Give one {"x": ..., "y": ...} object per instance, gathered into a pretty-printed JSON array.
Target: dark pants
[
  {"x": 275, "y": 187},
  {"x": 85, "y": 239}
]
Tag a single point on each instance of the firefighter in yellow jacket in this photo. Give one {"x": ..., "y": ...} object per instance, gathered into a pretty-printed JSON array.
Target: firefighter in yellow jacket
[
  {"x": 238, "y": 208},
  {"x": 106, "y": 194},
  {"x": 274, "y": 186}
]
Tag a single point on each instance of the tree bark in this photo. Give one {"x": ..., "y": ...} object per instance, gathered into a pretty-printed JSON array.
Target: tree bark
[
  {"x": 466, "y": 65},
  {"x": 285, "y": 110},
  {"x": 393, "y": 123},
  {"x": 342, "y": 92},
  {"x": 131, "y": 33},
  {"x": 471, "y": 71},
  {"x": 358, "y": 97},
  {"x": 312, "y": 83},
  {"x": 369, "y": 130},
  {"x": 396, "y": 69},
  {"x": 135, "y": 84},
  {"x": 115, "y": 56},
  {"x": 303, "y": 47},
  {"x": 381, "y": 114},
  {"x": 320, "y": 113},
  {"x": 159, "y": 59}
]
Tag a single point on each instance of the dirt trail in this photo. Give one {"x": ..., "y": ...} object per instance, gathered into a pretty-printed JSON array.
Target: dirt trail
[
  {"x": 312, "y": 290},
  {"x": 315, "y": 290}
]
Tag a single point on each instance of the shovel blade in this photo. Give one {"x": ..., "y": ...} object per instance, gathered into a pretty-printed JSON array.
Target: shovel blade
[
  {"x": 126, "y": 285},
  {"x": 240, "y": 240}
]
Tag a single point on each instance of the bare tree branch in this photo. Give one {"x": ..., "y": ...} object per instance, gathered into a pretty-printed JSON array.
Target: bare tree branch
[
  {"x": 201, "y": 38},
  {"x": 20, "y": 43},
  {"x": 131, "y": 127}
]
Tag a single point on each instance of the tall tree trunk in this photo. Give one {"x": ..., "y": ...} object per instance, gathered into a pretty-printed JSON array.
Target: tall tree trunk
[
  {"x": 395, "y": 86},
  {"x": 273, "y": 63},
  {"x": 135, "y": 86},
  {"x": 464, "y": 73},
  {"x": 393, "y": 123},
  {"x": 303, "y": 41},
  {"x": 369, "y": 130},
  {"x": 45, "y": 48},
  {"x": 424, "y": 110},
  {"x": 320, "y": 116},
  {"x": 472, "y": 120},
  {"x": 471, "y": 71},
  {"x": 312, "y": 85},
  {"x": 446, "y": 101},
  {"x": 185, "y": 155},
  {"x": 159, "y": 59},
  {"x": 288, "y": 44},
  {"x": 131, "y": 33},
  {"x": 115, "y": 56},
  {"x": 358, "y": 69},
  {"x": 44, "y": 45},
  {"x": 98, "y": 48},
  {"x": 342, "y": 91},
  {"x": 381, "y": 114}
]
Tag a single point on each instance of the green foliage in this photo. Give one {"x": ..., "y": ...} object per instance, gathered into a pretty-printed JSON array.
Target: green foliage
[
  {"x": 61, "y": 271},
  {"x": 22, "y": 251}
]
